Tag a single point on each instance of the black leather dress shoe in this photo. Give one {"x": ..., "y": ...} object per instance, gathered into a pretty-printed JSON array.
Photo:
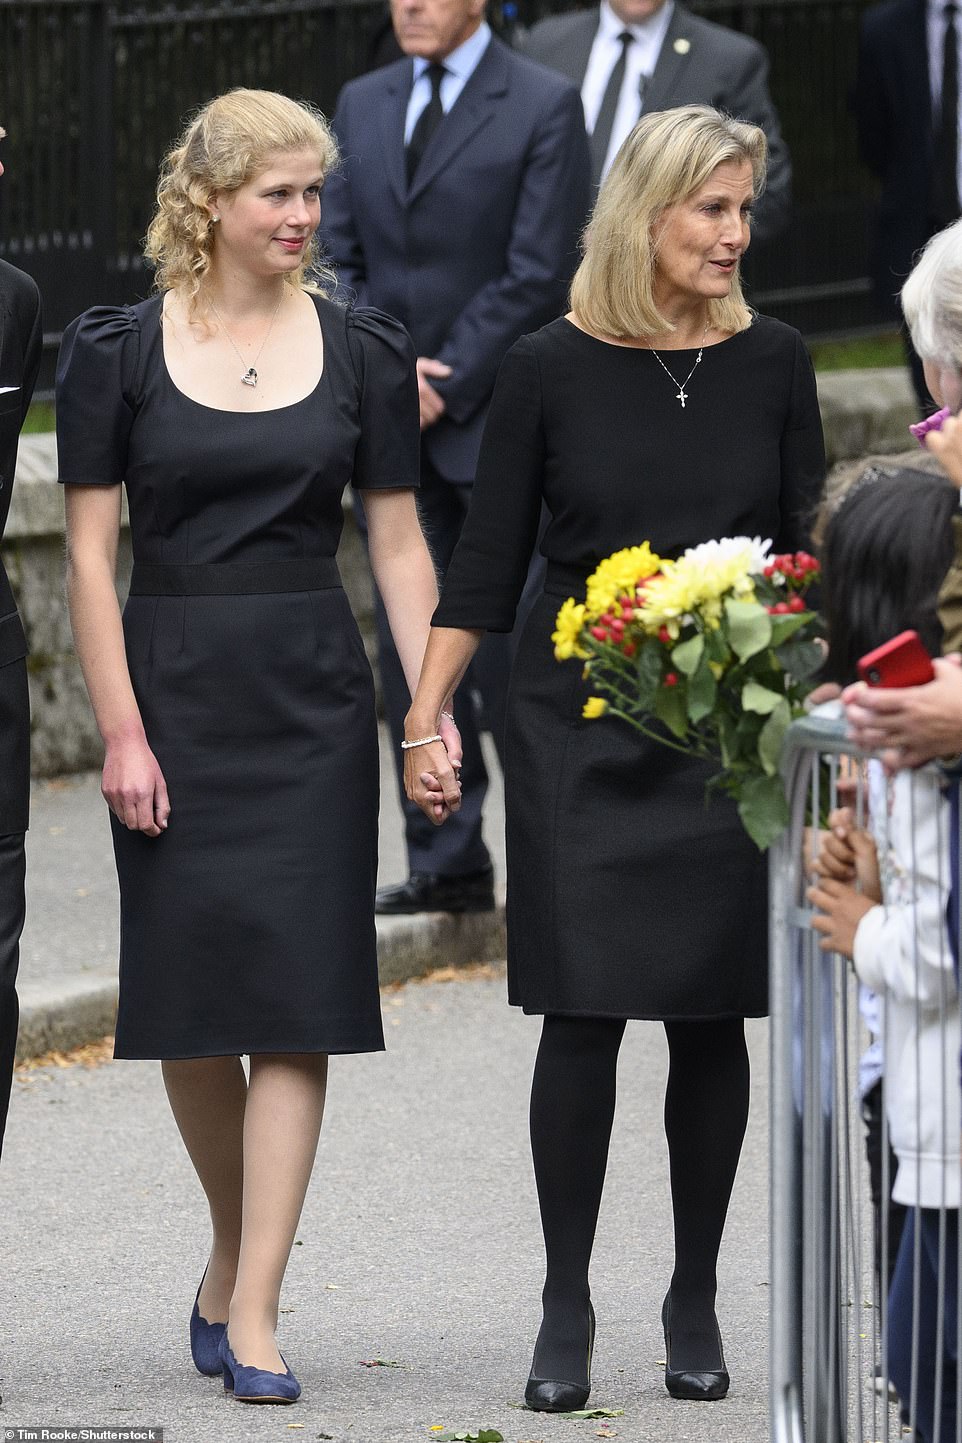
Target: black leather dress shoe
[
  {"x": 429, "y": 892},
  {"x": 698, "y": 1385}
]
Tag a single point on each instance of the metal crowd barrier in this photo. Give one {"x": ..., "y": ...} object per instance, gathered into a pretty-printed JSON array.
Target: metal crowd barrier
[{"x": 830, "y": 1324}]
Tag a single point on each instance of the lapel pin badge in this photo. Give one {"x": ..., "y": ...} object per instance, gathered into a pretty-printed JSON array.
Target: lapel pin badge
[{"x": 682, "y": 46}]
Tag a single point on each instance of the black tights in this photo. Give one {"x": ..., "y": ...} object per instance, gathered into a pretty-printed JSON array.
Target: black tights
[{"x": 572, "y": 1108}]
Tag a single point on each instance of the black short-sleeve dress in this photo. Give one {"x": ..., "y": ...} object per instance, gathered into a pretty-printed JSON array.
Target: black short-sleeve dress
[
  {"x": 627, "y": 896},
  {"x": 248, "y": 926}
]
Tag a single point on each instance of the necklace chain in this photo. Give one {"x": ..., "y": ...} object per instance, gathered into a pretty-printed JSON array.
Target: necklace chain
[
  {"x": 681, "y": 394},
  {"x": 249, "y": 377}
]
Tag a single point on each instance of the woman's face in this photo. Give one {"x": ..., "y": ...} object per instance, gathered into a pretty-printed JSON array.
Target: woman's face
[
  {"x": 265, "y": 226},
  {"x": 699, "y": 241},
  {"x": 944, "y": 383}
]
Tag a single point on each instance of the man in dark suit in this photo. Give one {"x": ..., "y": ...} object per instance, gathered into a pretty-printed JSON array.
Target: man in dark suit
[
  {"x": 463, "y": 189},
  {"x": 630, "y": 57},
  {"x": 907, "y": 109},
  {"x": 21, "y": 340}
]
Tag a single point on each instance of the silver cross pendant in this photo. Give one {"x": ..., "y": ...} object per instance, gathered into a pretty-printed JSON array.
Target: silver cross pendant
[
  {"x": 682, "y": 396},
  {"x": 249, "y": 378}
]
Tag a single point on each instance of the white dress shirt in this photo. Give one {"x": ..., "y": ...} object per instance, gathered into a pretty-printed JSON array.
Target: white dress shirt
[
  {"x": 640, "y": 61},
  {"x": 459, "y": 66}
]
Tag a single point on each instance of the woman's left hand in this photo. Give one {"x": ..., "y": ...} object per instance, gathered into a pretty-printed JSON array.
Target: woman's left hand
[{"x": 431, "y": 780}]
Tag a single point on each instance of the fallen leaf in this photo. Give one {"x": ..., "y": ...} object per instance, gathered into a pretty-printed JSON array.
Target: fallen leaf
[
  {"x": 594, "y": 1413},
  {"x": 91, "y": 1054},
  {"x": 332, "y": 1287},
  {"x": 379, "y": 1363}
]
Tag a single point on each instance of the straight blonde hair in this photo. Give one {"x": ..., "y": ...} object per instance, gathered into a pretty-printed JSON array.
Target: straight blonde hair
[
  {"x": 668, "y": 156},
  {"x": 228, "y": 142}
]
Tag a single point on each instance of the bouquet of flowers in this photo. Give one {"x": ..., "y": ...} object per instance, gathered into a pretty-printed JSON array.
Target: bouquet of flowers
[{"x": 712, "y": 654}]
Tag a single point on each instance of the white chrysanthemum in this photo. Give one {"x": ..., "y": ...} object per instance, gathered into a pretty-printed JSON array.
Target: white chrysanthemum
[{"x": 751, "y": 551}]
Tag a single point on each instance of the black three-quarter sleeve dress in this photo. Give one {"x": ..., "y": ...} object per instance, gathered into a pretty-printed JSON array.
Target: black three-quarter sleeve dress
[
  {"x": 248, "y": 926},
  {"x": 627, "y": 895}
]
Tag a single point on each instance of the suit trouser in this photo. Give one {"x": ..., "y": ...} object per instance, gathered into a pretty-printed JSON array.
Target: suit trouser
[
  {"x": 458, "y": 847},
  {"x": 901, "y": 1321},
  {"x": 12, "y": 911}
]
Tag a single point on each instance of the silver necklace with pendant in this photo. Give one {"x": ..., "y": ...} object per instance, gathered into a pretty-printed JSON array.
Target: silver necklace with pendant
[
  {"x": 681, "y": 394},
  {"x": 249, "y": 377}
]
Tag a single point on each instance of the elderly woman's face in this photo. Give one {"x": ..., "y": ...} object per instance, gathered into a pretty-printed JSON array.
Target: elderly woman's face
[
  {"x": 699, "y": 241},
  {"x": 945, "y": 385}
]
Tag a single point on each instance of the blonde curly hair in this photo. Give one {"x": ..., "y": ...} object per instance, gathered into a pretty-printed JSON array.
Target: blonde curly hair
[{"x": 228, "y": 142}]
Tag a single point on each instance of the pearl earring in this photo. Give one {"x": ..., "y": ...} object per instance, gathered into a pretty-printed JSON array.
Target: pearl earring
[{"x": 214, "y": 219}]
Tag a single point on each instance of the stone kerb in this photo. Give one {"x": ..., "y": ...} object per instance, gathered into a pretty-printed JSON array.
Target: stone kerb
[{"x": 864, "y": 412}]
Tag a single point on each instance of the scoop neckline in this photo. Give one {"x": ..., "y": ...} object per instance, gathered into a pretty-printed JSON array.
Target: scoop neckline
[
  {"x": 680, "y": 351},
  {"x": 226, "y": 410}
]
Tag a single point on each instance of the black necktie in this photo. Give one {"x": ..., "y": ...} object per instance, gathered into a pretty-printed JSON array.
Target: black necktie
[
  {"x": 601, "y": 135},
  {"x": 427, "y": 122},
  {"x": 945, "y": 157}
]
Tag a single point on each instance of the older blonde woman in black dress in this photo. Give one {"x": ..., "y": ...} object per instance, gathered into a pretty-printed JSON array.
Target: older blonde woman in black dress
[
  {"x": 660, "y": 408},
  {"x": 234, "y": 700}
]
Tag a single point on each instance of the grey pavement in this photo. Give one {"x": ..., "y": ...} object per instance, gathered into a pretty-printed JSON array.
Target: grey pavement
[
  {"x": 419, "y": 1245},
  {"x": 68, "y": 968}
]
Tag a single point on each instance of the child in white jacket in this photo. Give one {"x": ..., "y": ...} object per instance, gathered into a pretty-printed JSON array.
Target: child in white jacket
[{"x": 881, "y": 900}]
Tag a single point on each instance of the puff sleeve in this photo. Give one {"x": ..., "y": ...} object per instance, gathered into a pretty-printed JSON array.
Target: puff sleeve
[
  {"x": 96, "y": 404},
  {"x": 388, "y": 452}
]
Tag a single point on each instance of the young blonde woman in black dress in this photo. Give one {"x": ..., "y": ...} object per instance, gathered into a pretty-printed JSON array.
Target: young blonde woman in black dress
[
  {"x": 234, "y": 699},
  {"x": 662, "y": 409}
]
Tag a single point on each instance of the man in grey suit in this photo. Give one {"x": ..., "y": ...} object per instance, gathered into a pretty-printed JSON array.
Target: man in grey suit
[
  {"x": 629, "y": 56},
  {"x": 463, "y": 190}
]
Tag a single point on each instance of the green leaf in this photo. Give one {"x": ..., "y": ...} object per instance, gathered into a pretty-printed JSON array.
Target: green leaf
[
  {"x": 801, "y": 659},
  {"x": 749, "y": 627},
  {"x": 717, "y": 647},
  {"x": 785, "y": 626},
  {"x": 702, "y": 691},
  {"x": 772, "y": 735},
  {"x": 727, "y": 738},
  {"x": 670, "y": 708},
  {"x": 650, "y": 659},
  {"x": 594, "y": 1413},
  {"x": 687, "y": 655},
  {"x": 763, "y": 810},
  {"x": 758, "y": 698}
]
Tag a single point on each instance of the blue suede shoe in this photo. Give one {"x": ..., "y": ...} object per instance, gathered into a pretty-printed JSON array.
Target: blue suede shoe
[
  {"x": 205, "y": 1340},
  {"x": 256, "y": 1385}
]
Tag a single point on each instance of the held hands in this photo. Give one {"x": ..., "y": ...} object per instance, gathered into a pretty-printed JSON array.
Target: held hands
[
  {"x": 432, "y": 772},
  {"x": 909, "y": 725},
  {"x": 846, "y": 856},
  {"x": 430, "y": 401},
  {"x": 133, "y": 786}
]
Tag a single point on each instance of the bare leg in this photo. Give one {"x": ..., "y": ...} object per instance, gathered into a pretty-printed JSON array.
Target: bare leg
[
  {"x": 285, "y": 1107},
  {"x": 207, "y": 1097}
]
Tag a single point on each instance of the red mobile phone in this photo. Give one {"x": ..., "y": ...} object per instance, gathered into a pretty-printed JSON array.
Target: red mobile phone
[{"x": 903, "y": 661}]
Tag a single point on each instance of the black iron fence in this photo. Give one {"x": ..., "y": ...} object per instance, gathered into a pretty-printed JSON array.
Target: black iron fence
[{"x": 92, "y": 93}]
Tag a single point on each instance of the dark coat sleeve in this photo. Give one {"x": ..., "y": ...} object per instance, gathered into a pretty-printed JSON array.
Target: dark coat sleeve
[
  {"x": 553, "y": 203},
  {"x": 802, "y": 457},
  {"x": 344, "y": 249},
  {"x": 487, "y": 573}
]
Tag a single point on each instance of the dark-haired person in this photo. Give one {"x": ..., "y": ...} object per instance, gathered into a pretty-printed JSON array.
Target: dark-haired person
[
  {"x": 21, "y": 343},
  {"x": 660, "y": 408},
  {"x": 881, "y": 901}
]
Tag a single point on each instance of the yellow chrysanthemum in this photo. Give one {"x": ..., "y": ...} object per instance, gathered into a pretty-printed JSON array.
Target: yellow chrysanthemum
[
  {"x": 568, "y": 624},
  {"x": 617, "y": 575},
  {"x": 595, "y": 706},
  {"x": 696, "y": 585}
]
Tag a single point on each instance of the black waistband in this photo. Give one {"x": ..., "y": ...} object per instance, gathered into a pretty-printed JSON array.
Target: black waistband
[
  {"x": 235, "y": 578},
  {"x": 565, "y": 581}
]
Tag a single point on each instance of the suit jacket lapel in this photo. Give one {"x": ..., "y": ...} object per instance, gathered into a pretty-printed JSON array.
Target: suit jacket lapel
[
  {"x": 671, "y": 61},
  {"x": 472, "y": 109},
  {"x": 579, "y": 41},
  {"x": 394, "y": 104}
]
